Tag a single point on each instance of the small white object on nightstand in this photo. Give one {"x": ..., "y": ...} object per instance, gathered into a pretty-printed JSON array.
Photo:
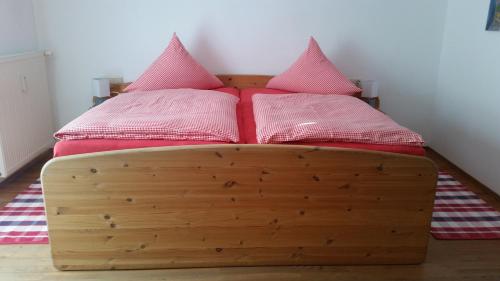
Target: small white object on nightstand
[
  {"x": 100, "y": 87},
  {"x": 370, "y": 88}
]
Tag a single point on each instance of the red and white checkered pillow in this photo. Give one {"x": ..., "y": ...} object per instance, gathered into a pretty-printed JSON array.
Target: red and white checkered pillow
[
  {"x": 175, "y": 69},
  {"x": 302, "y": 117},
  {"x": 314, "y": 73},
  {"x": 176, "y": 114}
]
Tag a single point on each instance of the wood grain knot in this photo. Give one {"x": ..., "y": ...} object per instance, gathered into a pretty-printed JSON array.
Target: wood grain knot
[
  {"x": 218, "y": 154},
  {"x": 93, "y": 170},
  {"x": 125, "y": 165},
  {"x": 316, "y": 178},
  {"x": 60, "y": 210},
  {"x": 237, "y": 149},
  {"x": 112, "y": 225},
  {"x": 230, "y": 184},
  {"x": 218, "y": 250},
  {"x": 107, "y": 217},
  {"x": 129, "y": 199},
  {"x": 345, "y": 186},
  {"x": 265, "y": 172},
  {"x": 302, "y": 212},
  {"x": 329, "y": 241},
  {"x": 380, "y": 168},
  {"x": 300, "y": 156}
]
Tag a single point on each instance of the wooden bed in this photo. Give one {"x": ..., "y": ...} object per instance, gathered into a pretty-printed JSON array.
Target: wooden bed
[{"x": 237, "y": 205}]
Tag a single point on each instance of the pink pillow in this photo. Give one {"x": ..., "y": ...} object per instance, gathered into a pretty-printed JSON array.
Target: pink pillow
[
  {"x": 314, "y": 73},
  {"x": 175, "y": 69}
]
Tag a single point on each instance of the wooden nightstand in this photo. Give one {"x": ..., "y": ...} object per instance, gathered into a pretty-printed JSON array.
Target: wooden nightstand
[
  {"x": 374, "y": 102},
  {"x": 98, "y": 100},
  {"x": 115, "y": 89}
]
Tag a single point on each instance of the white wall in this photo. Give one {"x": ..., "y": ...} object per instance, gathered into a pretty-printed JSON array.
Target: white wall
[
  {"x": 467, "y": 107},
  {"x": 396, "y": 42},
  {"x": 17, "y": 27}
]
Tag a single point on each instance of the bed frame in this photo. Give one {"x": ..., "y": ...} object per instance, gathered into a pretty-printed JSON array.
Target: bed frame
[{"x": 237, "y": 205}]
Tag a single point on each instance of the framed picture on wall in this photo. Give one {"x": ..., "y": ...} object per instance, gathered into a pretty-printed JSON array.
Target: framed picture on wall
[{"x": 493, "y": 23}]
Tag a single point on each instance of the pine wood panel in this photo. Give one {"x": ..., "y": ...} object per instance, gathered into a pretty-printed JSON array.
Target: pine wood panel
[
  {"x": 240, "y": 81},
  {"x": 237, "y": 205},
  {"x": 446, "y": 260},
  {"x": 244, "y": 81}
]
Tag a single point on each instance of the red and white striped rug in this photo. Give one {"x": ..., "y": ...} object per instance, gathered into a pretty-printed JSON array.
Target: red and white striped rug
[
  {"x": 23, "y": 221},
  {"x": 459, "y": 214}
]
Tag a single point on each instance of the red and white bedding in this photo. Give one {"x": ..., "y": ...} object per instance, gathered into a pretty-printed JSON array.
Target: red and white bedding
[
  {"x": 245, "y": 109},
  {"x": 246, "y": 128},
  {"x": 312, "y": 117},
  {"x": 180, "y": 114}
]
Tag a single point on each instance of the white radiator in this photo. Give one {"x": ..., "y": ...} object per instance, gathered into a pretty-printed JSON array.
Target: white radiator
[{"x": 25, "y": 111}]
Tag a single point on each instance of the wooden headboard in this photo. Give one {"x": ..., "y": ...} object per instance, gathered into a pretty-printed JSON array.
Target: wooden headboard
[
  {"x": 245, "y": 81},
  {"x": 240, "y": 81}
]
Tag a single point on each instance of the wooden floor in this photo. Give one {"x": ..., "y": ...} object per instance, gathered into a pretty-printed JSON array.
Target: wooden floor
[{"x": 446, "y": 260}]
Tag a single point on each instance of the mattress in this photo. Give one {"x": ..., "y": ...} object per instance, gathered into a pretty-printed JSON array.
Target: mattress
[{"x": 248, "y": 121}]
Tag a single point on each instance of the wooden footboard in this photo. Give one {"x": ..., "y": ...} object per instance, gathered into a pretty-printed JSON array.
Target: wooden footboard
[{"x": 237, "y": 205}]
